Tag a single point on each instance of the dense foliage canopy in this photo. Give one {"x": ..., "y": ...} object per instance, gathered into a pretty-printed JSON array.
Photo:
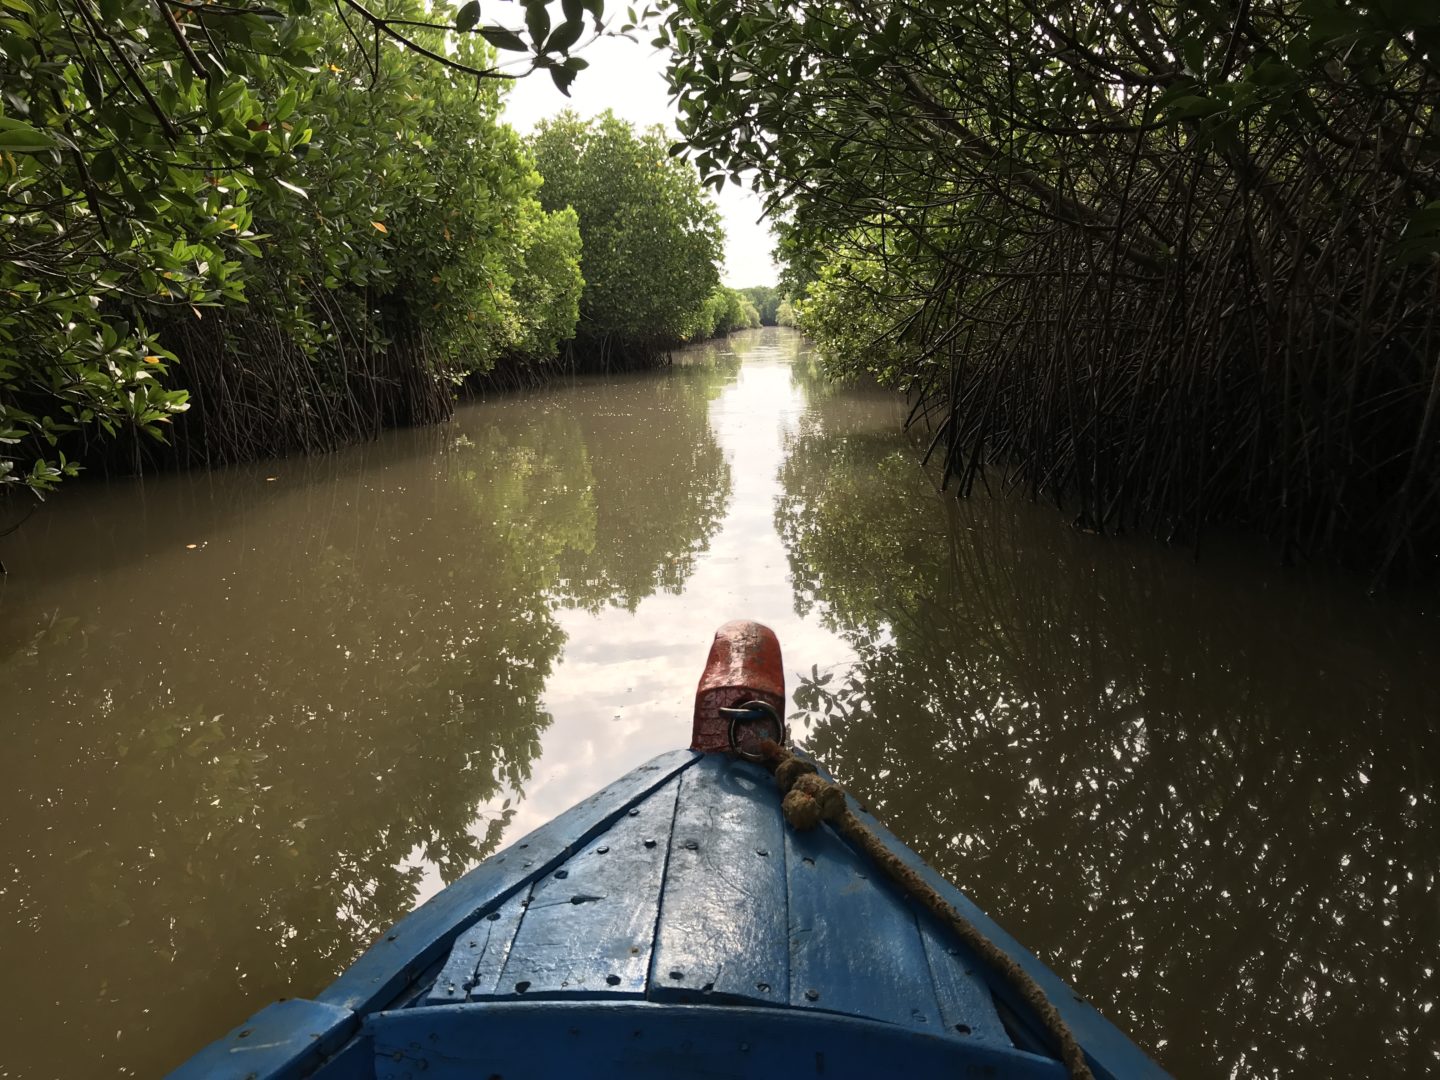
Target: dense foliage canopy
[
  {"x": 267, "y": 227},
  {"x": 1172, "y": 262},
  {"x": 651, "y": 237},
  {"x": 271, "y": 198}
]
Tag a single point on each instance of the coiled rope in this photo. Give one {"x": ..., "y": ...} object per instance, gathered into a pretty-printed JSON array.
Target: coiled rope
[{"x": 810, "y": 799}]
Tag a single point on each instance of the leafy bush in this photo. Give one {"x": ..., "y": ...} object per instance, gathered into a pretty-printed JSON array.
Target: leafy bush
[
  {"x": 418, "y": 254},
  {"x": 651, "y": 239},
  {"x": 766, "y": 299},
  {"x": 725, "y": 310},
  {"x": 319, "y": 223},
  {"x": 849, "y": 312}
]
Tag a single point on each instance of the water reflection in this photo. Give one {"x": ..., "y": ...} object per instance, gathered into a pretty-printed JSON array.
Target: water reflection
[
  {"x": 252, "y": 718},
  {"x": 625, "y": 686},
  {"x": 1205, "y": 793},
  {"x": 646, "y": 436}
]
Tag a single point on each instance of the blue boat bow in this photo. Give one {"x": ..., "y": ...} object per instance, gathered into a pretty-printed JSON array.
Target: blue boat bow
[{"x": 672, "y": 924}]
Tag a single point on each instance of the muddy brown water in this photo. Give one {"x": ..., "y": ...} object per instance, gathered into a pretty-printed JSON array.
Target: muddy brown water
[{"x": 252, "y": 717}]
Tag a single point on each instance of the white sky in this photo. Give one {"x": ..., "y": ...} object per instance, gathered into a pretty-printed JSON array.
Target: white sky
[{"x": 629, "y": 79}]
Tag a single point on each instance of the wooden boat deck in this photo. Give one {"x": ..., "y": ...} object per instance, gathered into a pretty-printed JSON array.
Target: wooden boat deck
[{"x": 672, "y": 925}]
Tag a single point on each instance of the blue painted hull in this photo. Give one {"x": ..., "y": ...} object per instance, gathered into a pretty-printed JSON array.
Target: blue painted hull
[{"x": 672, "y": 925}]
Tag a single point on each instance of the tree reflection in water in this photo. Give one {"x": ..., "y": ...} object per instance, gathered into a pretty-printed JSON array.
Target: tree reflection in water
[
  {"x": 660, "y": 440},
  {"x": 1205, "y": 793},
  {"x": 230, "y": 765}
]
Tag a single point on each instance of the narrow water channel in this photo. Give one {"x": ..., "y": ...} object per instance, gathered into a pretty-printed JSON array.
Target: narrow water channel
[{"x": 254, "y": 716}]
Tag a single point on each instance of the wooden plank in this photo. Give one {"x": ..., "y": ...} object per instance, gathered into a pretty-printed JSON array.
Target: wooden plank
[
  {"x": 722, "y": 932},
  {"x": 589, "y": 927},
  {"x": 634, "y": 1040},
  {"x": 355, "y": 1062},
  {"x": 1109, "y": 1051},
  {"x": 966, "y": 1007},
  {"x": 286, "y": 1039},
  {"x": 854, "y": 944},
  {"x": 423, "y": 938},
  {"x": 478, "y": 956}
]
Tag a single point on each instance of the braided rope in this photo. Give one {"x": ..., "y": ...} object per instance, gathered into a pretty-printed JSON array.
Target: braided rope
[{"x": 810, "y": 799}]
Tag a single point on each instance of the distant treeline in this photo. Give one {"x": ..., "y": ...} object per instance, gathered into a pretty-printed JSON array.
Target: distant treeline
[
  {"x": 245, "y": 231},
  {"x": 728, "y": 310},
  {"x": 772, "y": 306}
]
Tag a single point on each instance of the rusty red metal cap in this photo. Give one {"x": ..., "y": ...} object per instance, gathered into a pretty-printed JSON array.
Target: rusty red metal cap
[{"x": 744, "y": 665}]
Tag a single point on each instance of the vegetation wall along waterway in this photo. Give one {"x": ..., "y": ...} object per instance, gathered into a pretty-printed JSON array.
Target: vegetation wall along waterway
[
  {"x": 1173, "y": 263},
  {"x": 254, "y": 715},
  {"x": 236, "y": 231}
]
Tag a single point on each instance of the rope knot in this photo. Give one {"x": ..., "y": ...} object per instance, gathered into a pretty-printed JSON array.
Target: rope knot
[
  {"x": 812, "y": 800},
  {"x": 791, "y": 770}
]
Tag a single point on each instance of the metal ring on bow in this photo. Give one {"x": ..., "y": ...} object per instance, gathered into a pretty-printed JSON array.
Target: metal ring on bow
[{"x": 749, "y": 712}]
